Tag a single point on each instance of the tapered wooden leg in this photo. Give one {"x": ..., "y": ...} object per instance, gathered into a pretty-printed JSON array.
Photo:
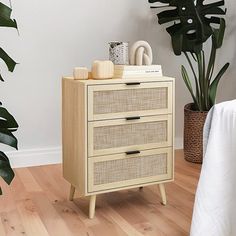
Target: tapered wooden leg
[
  {"x": 163, "y": 194},
  {"x": 72, "y": 193},
  {"x": 92, "y": 205}
]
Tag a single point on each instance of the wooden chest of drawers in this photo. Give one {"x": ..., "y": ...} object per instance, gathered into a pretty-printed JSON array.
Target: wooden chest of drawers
[{"x": 117, "y": 134}]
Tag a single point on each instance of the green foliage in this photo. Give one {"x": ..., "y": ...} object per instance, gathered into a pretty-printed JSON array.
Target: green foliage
[
  {"x": 6, "y": 171},
  {"x": 8, "y": 124},
  {"x": 192, "y": 26}
]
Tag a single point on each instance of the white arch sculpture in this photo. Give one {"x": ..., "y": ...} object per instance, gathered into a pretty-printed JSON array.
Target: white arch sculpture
[{"x": 141, "y": 54}]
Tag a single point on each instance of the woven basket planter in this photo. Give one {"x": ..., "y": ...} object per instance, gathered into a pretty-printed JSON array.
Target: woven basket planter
[{"x": 193, "y": 134}]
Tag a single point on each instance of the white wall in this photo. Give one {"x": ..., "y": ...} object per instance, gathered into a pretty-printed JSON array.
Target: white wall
[{"x": 56, "y": 36}]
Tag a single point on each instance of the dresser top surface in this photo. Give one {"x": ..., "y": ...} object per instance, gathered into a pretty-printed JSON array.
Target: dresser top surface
[{"x": 119, "y": 81}]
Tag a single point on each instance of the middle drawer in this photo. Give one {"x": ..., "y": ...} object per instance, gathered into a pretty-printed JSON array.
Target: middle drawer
[{"x": 117, "y": 136}]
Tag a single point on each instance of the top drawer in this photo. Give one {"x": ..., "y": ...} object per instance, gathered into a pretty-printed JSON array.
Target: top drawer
[{"x": 131, "y": 99}]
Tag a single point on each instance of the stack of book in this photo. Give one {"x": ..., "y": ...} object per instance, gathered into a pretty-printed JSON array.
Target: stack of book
[{"x": 128, "y": 72}]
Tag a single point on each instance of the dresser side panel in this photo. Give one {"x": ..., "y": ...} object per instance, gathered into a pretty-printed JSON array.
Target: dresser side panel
[
  {"x": 74, "y": 128},
  {"x": 173, "y": 127}
]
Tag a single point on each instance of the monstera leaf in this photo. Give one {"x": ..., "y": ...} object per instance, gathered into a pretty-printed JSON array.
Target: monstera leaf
[
  {"x": 8, "y": 124},
  {"x": 191, "y": 22},
  {"x": 6, "y": 171},
  {"x": 6, "y": 21},
  {"x": 5, "y": 16}
]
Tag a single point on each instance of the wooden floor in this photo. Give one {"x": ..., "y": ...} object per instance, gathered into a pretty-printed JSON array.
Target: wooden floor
[{"x": 36, "y": 204}]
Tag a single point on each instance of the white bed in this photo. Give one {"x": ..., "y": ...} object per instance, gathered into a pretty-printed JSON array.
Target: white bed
[{"x": 215, "y": 203}]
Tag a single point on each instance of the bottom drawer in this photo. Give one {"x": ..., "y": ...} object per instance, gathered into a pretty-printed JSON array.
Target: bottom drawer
[{"x": 122, "y": 170}]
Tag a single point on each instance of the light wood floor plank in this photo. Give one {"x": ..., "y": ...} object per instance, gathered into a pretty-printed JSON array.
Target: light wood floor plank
[
  {"x": 110, "y": 212},
  {"x": 30, "y": 218},
  {"x": 7, "y": 202},
  {"x": 12, "y": 223},
  {"x": 2, "y": 230},
  {"x": 28, "y": 180},
  {"x": 168, "y": 211},
  {"x": 71, "y": 214},
  {"x": 120, "y": 202},
  {"x": 156, "y": 218},
  {"x": 49, "y": 216}
]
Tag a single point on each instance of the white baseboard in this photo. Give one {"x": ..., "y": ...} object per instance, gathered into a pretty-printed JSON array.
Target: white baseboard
[
  {"x": 47, "y": 156},
  {"x": 179, "y": 143},
  {"x": 35, "y": 157}
]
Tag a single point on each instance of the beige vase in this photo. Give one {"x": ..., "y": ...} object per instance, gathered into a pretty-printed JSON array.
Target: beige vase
[{"x": 193, "y": 134}]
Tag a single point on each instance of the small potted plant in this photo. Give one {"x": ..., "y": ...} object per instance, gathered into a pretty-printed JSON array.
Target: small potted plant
[{"x": 194, "y": 22}]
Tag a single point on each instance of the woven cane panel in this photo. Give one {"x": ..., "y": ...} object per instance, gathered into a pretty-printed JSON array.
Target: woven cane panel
[
  {"x": 131, "y": 168},
  {"x": 115, "y": 136},
  {"x": 129, "y": 100}
]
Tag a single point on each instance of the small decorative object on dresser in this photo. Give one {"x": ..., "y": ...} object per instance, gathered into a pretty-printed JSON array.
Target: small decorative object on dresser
[
  {"x": 80, "y": 73},
  {"x": 117, "y": 134},
  {"x": 119, "y": 53},
  {"x": 102, "y": 70},
  {"x": 141, "y": 54},
  {"x": 90, "y": 75}
]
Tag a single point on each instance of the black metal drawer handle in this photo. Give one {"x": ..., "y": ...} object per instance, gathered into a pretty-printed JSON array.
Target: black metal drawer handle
[
  {"x": 133, "y": 83},
  {"x": 133, "y": 118},
  {"x": 132, "y": 152}
]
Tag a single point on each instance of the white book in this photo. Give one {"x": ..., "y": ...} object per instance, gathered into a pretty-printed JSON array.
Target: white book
[
  {"x": 138, "y": 72},
  {"x": 135, "y": 68},
  {"x": 137, "y": 76}
]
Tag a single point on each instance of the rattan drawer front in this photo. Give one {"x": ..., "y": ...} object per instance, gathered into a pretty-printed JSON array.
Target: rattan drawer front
[
  {"x": 122, "y": 170},
  {"x": 116, "y": 136},
  {"x": 109, "y": 101}
]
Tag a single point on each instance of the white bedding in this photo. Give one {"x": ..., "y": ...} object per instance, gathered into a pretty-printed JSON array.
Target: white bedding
[{"x": 215, "y": 203}]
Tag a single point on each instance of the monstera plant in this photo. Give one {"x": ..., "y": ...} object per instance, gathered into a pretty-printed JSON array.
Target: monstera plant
[
  {"x": 7, "y": 122},
  {"x": 193, "y": 24},
  {"x": 190, "y": 24}
]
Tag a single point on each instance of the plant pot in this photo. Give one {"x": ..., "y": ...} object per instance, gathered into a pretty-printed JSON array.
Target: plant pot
[{"x": 193, "y": 133}]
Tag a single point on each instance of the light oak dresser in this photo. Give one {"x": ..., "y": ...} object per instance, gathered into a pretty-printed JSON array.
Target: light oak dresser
[{"x": 117, "y": 134}]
